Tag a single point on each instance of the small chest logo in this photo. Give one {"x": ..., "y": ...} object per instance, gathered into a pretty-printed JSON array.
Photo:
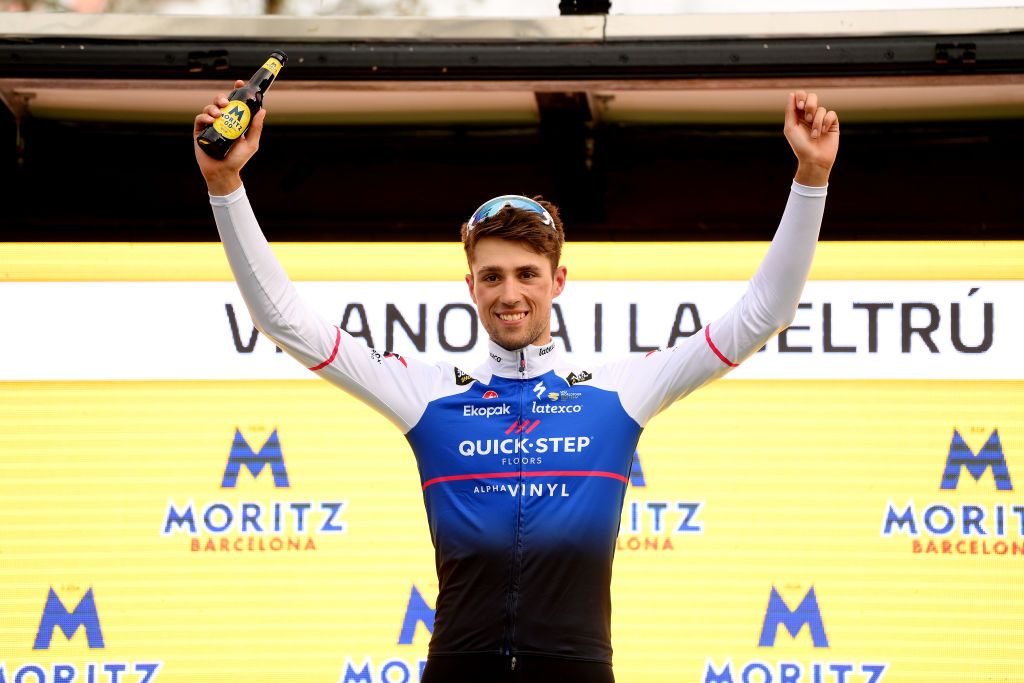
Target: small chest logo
[
  {"x": 539, "y": 389},
  {"x": 462, "y": 379},
  {"x": 584, "y": 376}
]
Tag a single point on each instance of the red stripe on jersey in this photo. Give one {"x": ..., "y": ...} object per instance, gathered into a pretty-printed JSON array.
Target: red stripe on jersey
[
  {"x": 707, "y": 335},
  {"x": 334, "y": 353},
  {"x": 505, "y": 475}
]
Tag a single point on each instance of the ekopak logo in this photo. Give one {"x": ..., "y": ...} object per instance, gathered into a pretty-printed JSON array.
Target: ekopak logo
[
  {"x": 84, "y": 616},
  {"x": 965, "y": 525},
  {"x": 653, "y": 524},
  {"x": 778, "y": 616},
  {"x": 282, "y": 522},
  {"x": 395, "y": 669}
]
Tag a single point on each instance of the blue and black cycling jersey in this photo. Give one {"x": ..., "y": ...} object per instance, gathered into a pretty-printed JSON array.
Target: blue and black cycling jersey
[{"x": 524, "y": 461}]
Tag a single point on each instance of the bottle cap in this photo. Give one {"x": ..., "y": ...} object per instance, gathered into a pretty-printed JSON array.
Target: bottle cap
[{"x": 280, "y": 56}]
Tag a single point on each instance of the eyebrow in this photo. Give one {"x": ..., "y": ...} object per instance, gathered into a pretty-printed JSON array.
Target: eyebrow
[{"x": 497, "y": 269}]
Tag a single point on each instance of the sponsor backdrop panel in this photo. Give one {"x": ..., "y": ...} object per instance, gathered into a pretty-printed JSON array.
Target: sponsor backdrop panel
[
  {"x": 144, "y": 493},
  {"x": 180, "y": 502},
  {"x": 755, "y": 507},
  {"x": 826, "y": 506}
]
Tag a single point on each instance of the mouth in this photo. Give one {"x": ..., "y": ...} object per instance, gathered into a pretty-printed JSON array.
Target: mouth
[{"x": 511, "y": 317}]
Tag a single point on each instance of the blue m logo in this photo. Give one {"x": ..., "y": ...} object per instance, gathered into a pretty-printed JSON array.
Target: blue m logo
[
  {"x": 636, "y": 472},
  {"x": 242, "y": 454},
  {"x": 990, "y": 455},
  {"x": 806, "y": 613},
  {"x": 417, "y": 611},
  {"x": 56, "y": 615}
]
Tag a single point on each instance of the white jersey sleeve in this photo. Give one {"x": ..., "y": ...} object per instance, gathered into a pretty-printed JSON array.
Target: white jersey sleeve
[
  {"x": 648, "y": 385},
  {"x": 395, "y": 386}
]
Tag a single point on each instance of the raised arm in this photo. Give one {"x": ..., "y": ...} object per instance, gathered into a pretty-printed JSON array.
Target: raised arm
[
  {"x": 395, "y": 386},
  {"x": 649, "y": 385}
]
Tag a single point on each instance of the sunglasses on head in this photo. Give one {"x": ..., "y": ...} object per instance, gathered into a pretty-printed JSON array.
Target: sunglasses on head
[{"x": 492, "y": 206}]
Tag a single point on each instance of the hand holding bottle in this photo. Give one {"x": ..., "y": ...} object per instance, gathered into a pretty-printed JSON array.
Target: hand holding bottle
[
  {"x": 222, "y": 175},
  {"x": 222, "y": 126}
]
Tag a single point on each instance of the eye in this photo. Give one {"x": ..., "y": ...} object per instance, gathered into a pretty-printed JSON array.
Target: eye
[
  {"x": 490, "y": 278},
  {"x": 528, "y": 274}
]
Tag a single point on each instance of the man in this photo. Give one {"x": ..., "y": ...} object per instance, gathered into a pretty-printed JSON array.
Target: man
[{"x": 524, "y": 511}]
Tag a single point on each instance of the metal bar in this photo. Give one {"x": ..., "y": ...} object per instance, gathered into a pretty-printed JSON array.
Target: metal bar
[{"x": 524, "y": 61}]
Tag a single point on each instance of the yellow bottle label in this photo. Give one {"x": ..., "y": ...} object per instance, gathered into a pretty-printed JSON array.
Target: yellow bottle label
[
  {"x": 273, "y": 66},
  {"x": 233, "y": 120}
]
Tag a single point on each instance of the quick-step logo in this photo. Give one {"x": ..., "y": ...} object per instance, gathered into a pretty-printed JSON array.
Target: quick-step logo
[{"x": 520, "y": 446}]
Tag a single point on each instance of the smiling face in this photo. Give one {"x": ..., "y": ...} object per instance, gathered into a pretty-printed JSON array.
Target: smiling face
[{"x": 513, "y": 287}]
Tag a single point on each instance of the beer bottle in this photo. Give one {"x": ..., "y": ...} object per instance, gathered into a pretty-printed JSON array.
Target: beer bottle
[{"x": 243, "y": 104}]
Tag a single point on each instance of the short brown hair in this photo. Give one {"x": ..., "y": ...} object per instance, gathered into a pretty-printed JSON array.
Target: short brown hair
[{"x": 520, "y": 225}]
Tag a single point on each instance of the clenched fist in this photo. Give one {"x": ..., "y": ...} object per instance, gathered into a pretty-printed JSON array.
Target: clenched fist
[{"x": 813, "y": 133}]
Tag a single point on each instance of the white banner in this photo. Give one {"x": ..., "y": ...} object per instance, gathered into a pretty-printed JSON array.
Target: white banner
[{"x": 202, "y": 330}]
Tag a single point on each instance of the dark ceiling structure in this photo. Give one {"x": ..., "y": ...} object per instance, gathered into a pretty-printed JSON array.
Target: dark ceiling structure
[{"x": 640, "y": 130}]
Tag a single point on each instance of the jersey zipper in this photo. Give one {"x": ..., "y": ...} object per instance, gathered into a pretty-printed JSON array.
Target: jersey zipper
[{"x": 517, "y": 555}]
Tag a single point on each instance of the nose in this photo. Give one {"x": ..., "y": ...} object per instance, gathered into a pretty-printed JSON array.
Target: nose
[{"x": 510, "y": 292}]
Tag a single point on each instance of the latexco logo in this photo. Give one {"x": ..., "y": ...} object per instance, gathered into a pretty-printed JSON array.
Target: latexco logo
[
  {"x": 964, "y": 526},
  {"x": 395, "y": 669},
  {"x": 275, "y": 525},
  {"x": 84, "y": 616},
  {"x": 655, "y": 524},
  {"x": 550, "y": 409},
  {"x": 807, "y": 614}
]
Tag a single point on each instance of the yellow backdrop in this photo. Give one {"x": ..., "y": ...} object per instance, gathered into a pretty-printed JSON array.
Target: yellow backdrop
[{"x": 757, "y": 507}]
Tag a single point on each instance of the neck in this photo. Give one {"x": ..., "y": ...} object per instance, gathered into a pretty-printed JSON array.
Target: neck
[{"x": 530, "y": 361}]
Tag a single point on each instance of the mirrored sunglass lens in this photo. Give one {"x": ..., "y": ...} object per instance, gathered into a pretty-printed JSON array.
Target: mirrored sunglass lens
[
  {"x": 494, "y": 206},
  {"x": 487, "y": 210}
]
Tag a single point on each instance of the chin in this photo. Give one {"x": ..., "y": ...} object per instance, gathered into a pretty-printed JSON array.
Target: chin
[{"x": 519, "y": 341}]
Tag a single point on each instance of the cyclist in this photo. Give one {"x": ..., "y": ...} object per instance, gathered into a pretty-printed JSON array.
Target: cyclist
[{"x": 524, "y": 511}]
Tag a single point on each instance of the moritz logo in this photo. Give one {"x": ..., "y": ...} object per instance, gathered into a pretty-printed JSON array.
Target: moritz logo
[
  {"x": 417, "y": 611},
  {"x": 278, "y": 524},
  {"x": 990, "y": 456},
  {"x": 980, "y": 521},
  {"x": 394, "y": 669},
  {"x": 655, "y": 524},
  {"x": 56, "y": 615},
  {"x": 242, "y": 454},
  {"x": 636, "y": 472},
  {"x": 84, "y": 616},
  {"x": 806, "y": 614}
]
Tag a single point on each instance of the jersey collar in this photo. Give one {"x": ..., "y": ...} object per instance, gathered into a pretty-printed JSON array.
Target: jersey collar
[{"x": 530, "y": 361}]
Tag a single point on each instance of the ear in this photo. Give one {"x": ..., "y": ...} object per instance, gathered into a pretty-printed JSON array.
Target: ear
[
  {"x": 560, "y": 274},
  {"x": 472, "y": 289}
]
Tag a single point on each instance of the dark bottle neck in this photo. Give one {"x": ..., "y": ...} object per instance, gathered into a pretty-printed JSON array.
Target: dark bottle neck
[{"x": 261, "y": 80}]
